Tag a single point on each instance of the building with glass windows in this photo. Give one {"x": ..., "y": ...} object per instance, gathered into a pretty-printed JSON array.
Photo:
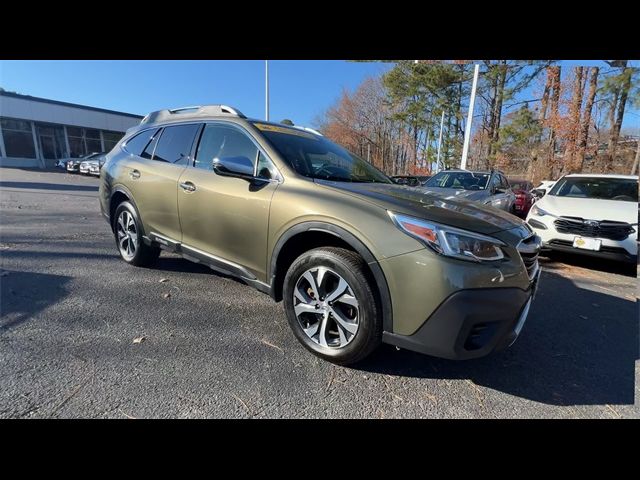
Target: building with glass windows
[{"x": 37, "y": 132}]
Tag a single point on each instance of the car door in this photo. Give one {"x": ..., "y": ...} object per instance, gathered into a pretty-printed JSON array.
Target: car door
[
  {"x": 153, "y": 178},
  {"x": 226, "y": 219},
  {"x": 499, "y": 190},
  {"x": 495, "y": 198}
]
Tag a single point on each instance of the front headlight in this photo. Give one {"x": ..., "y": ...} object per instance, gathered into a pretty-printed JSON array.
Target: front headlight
[
  {"x": 449, "y": 241},
  {"x": 536, "y": 210}
]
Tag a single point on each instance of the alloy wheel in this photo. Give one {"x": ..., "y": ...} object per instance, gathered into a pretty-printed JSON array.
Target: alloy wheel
[
  {"x": 326, "y": 307},
  {"x": 127, "y": 235}
]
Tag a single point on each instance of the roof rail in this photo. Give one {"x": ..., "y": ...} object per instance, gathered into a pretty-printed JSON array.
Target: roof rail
[
  {"x": 299, "y": 127},
  {"x": 194, "y": 111}
]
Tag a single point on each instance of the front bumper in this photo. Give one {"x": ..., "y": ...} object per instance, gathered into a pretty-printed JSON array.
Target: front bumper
[
  {"x": 619, "y": 250},
  {"x": 471, "y": 323},
  {"x": 439, "y": 302}
]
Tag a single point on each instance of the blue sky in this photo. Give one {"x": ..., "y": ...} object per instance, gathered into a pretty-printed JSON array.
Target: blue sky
[{"x": 300, "y": 89}]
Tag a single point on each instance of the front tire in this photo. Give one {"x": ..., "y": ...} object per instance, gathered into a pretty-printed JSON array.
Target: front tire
[
  {"x": 127, "y": 230},
  {"x": 331, "y": 306}
]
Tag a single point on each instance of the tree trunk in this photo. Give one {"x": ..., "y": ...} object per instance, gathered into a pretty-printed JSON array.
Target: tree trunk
[
  {"x": 634, "y": 169},
  {"x": 574, "y": 119},
  {"x": 555, "y": 101},
  {"x": 617, "y": 121},
  {"x": 492, "y": 109},
  {"x": 447, "y": 141},
  {"x": 586, "y": 120},
  {"x": 497, "y": 113},
  {"x": 542, "y": 116}
]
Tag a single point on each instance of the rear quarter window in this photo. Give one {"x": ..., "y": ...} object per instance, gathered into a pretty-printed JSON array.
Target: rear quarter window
[{"x": 137, "y": 144}]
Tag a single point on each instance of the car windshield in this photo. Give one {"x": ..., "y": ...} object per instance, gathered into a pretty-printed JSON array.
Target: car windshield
[
  {"x": 316, "y": 157},
  {"x": 459, "y": 180},
  {"x": 604, "y": 188}
]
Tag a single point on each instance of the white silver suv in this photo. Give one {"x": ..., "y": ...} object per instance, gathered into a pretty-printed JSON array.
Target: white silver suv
[{"x": 590, "y": 214}]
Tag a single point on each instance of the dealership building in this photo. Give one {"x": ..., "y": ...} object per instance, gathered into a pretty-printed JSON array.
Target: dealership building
[{"x": 37, "y": 132}]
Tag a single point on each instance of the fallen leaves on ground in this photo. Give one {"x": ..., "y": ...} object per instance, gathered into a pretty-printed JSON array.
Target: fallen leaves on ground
[{"x": 271, "y": 345}]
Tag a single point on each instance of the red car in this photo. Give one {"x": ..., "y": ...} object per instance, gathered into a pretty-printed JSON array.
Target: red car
[{"x": 524, "y": 197}]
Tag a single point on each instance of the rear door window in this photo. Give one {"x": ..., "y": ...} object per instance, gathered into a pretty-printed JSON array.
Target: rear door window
[{"x": 174, "y": 145}]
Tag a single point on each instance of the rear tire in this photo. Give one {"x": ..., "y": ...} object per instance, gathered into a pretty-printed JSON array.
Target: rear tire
[
  {"x": 331, "y": 306},
  {"x": 127, "y": 230}
]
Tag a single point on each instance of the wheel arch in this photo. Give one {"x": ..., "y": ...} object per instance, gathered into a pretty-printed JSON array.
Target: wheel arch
[
  {"x": 121, "y": 194},
  {"x": 307, "y": 235}
]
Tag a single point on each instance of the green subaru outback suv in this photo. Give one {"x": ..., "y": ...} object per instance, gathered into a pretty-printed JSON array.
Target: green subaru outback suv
[{"x": 356, "y": 259}]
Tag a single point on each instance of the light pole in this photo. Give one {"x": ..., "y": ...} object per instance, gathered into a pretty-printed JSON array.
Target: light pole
[
  {"x": 266, "y": 90},
  {"x": 467, "y": 130}
]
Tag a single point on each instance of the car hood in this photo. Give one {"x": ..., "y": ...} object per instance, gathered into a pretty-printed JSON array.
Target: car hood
[
  {"x": 590, "y": 208},
  {"x": 418, "y": 202}
]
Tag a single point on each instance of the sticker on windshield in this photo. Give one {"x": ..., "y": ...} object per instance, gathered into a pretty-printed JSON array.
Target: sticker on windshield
[{"x": 289, "y": 131}]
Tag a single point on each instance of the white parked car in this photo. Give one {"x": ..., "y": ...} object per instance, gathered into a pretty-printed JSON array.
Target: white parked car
[
  {"x": 84, "y": 167},
  {"x": 545, "y": 185},
  {"x": 590, "y": 214}
]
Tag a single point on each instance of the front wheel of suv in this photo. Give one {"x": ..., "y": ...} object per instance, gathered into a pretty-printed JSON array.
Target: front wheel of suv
[
  {"x": 127, "y": 230},
  {"x": 331, "y": 306}
]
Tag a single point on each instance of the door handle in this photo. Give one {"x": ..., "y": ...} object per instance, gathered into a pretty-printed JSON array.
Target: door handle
[
  {"x": 134, "y": 174},
  {"x": 188, "y": 187}
]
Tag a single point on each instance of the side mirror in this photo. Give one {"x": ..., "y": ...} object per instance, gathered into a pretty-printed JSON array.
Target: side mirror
[
  {"x": 238, "y": 167},
  {"x": 539, "y": 192}
]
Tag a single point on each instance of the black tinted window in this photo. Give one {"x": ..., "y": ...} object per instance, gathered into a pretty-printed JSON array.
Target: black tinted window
[
  {"x": 175, "y": 143},
  {"x": 136, "y": 144},
  {"x": 219, "y": 141}
]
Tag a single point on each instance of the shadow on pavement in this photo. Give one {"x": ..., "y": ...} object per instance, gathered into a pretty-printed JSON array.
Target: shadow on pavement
[
  {"x": 49, "y": 186},
  {"x": 180, "y": 265},
  {"x": 582, "y": 353},
  {"x": 51, "y": 254},
  {"x": 551, "y": 259},
  {"x": 24, "y": 294}
]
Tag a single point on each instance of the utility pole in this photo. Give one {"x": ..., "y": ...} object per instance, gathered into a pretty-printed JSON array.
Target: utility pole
[
  {"x": 467, "y": 130},
  {"x": 266, "y": 90},
  {"x": 439, "y": 142}
]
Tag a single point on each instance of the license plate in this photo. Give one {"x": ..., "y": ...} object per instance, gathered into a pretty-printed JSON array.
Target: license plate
[{"x": 587, "y": 243}]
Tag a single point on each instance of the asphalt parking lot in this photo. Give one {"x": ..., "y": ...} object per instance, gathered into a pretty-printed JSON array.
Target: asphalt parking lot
[{"x": 213, "y": 347}]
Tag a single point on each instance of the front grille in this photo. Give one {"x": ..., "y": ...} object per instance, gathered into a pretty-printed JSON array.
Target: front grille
[
  {"x": 591, "y": 228},
  {"x": 529, "y": 249}
]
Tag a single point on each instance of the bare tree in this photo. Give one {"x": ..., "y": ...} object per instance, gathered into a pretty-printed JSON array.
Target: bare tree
[{"x": 586, "y": 120}]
